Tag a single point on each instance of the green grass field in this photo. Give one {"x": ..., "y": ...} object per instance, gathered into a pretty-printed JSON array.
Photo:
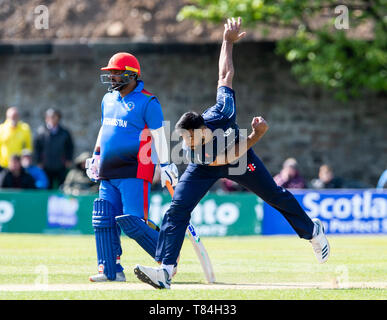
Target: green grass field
[{"x": 248, "y": 268}]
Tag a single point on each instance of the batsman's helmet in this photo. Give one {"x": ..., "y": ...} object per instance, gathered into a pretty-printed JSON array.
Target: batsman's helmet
[{"x": 123, "y": 61}]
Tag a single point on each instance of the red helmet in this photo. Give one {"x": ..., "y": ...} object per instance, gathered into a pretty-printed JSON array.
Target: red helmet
[{"x": 123, "y": 61}]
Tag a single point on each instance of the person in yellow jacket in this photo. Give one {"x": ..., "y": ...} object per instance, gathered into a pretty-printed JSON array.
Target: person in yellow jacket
[{"x": 15, "y": 136}]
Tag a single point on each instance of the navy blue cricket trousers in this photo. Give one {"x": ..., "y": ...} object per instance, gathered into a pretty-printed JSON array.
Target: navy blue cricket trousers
[{"x": 198, "y": 179}]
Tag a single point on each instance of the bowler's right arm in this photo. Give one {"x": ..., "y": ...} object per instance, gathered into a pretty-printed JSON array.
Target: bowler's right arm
[{"x": 226, "y": 68}]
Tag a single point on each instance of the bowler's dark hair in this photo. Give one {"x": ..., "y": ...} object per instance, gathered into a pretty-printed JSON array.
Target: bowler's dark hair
[{"x": 189, "y": 121}]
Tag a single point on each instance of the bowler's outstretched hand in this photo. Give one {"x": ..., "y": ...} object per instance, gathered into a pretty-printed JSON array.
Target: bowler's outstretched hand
[{"x": 232, "y": 30}]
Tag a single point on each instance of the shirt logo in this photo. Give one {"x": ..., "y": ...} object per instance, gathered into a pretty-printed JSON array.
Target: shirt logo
[
  {"x": 251, "y": 167},
  {"x": 130, "y": 106}
]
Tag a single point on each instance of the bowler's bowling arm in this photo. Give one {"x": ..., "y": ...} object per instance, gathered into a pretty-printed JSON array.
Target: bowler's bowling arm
[{"x": 226, "y": 67}]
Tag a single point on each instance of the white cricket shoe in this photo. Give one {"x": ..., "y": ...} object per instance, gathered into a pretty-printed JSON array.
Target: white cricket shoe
[
  {"x": 156, "y": 277},
  {"x": 320, "y": 242},
  {"x": 101, "y": 277}
]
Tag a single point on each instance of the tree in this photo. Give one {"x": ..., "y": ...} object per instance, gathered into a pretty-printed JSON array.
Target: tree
[{"x": 322, "y": 51}]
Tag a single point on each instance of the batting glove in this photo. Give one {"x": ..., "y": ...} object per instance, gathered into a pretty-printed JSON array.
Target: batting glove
[
  {"x": 169, "y": 173},
  {"x": 92, "y": 167}
]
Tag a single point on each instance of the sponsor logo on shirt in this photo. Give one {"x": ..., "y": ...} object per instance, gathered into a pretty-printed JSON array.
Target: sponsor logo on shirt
[{"x": 115, "y": 122}]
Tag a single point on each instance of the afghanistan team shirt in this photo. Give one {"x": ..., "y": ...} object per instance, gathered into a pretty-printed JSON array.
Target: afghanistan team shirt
[
  {"x": 126, "y": 141},
  {"x": 221, "y": 120}
]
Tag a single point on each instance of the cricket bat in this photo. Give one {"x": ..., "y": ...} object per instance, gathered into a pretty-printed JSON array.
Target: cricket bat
[{"x": 201, "y": 252}]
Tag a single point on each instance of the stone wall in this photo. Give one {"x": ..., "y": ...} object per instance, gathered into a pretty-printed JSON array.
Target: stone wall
[{"x": 307, "y": 124}]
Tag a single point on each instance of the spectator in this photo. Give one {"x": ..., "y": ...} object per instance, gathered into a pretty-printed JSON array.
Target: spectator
[
  {"x": 54, "y": 149},
  {"x": 41, "y": 180},
  {"x": 77, "y": 182},
  {"x": 15, "y": 135},
  {"x": 289, "y": 177},
  {"x": 382, "y": 182},
  {"x": 326, "y": 179},
  {"x": 15, "y": 176}
]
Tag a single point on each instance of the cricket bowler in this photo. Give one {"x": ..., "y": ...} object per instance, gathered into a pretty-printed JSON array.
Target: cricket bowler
[
  {"x": 206, "y": 168},
  {"x": 124, "y": 163}
]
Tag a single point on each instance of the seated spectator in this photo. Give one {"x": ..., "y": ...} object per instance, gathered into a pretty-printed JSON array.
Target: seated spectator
[
  {"x": 41, "y": 180},
  {"x": 326, "y": 179},
  {"x": 382, "y": 182},
  {"x": 15, "y": 135},
  {"x": 289, "y": 177},
  {"x": 15, "y": 176},
  {"x": 77, "y": 182}
]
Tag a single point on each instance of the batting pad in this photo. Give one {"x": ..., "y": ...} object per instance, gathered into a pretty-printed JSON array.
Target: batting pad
[
  {"x": 106, "y": 235},
  {"x": 138, "y": 230}
]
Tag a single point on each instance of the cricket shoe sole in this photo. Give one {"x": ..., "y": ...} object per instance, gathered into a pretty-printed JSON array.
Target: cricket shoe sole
[{"x": 156, "y": 277}]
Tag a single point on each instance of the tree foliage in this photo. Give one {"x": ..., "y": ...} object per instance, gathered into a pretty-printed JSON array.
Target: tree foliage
[{"x": 325, "y": 53}]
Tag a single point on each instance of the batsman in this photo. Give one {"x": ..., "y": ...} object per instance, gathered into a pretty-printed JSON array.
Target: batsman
[
  {"x": 206, "y": 167},
  {"x": 131, "y": 141}
]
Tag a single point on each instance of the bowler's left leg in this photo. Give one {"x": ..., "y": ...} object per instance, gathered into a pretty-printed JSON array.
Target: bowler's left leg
[{"x": 258, "y": 180}]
